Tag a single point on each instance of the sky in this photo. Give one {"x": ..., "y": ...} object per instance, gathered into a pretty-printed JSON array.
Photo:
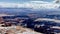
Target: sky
[
  {"x": 28, "y": 3},
  {"x": 20, "y": 1}
]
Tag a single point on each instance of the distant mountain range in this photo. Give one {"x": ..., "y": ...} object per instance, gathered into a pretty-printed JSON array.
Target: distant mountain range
[{"x": 18, "y": 11}]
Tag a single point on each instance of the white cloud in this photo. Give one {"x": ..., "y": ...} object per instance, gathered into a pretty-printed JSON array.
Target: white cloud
[
  {"x": 31, "y": 4},
  {"x": 6, "y": 5},
  {"x": 40, "y": 4}
]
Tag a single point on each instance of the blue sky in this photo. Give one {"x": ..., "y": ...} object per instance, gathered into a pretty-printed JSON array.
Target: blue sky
[
  {"x": 20, "y": 1},
  {"x": 27, "y": 3}
]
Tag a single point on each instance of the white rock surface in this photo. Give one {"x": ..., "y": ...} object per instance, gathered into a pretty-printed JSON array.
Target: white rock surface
[{"x": 17, "y": 30}]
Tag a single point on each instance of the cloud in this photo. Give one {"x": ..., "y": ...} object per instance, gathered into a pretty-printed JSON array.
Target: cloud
[
  {"x": 6, "y": 5},
  {"x": 40, "y": 4},
  {"x": 56, "y": 1},
  {"x": 30, "y": 4}
]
